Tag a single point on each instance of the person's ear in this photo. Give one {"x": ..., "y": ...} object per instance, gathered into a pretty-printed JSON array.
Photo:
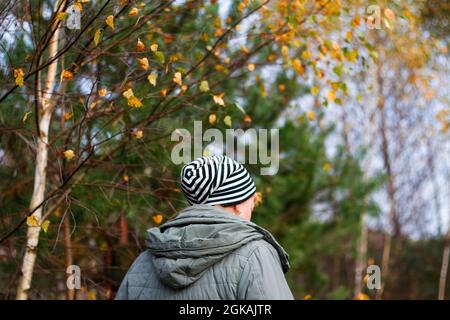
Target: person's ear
[{"x": 234, "y": 209}]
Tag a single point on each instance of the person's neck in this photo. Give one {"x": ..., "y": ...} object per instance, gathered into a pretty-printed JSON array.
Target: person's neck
[{"x": 228, "y": 209}]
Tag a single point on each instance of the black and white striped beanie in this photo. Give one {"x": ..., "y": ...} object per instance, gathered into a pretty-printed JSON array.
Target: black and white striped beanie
[{"x": 216, "y": 180}]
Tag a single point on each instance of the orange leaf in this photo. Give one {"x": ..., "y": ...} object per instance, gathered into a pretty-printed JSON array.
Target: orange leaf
[
  {"x": 134, "y": 11},
  {"x": 157, "y": 218},
  {"x": 140, "y": 46},
  {"x": 67, "y": 75}
]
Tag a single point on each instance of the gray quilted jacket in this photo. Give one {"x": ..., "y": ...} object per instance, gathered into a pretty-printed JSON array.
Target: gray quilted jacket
[{"x": 208, "y": 253}]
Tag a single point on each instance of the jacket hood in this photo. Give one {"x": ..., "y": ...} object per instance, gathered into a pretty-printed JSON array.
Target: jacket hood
[{"x": 201, "y": 235}]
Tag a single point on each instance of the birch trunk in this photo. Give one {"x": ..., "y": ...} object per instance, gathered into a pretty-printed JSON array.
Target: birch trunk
[
  {"x": 387, "y": 163},
  {"x": 444, "y": 267},
  {"x": 40, "y": 174},
  {"x": 361, "y": 258}
]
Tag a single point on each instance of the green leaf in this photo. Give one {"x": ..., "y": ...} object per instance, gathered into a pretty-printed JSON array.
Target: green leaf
[
  {"x": 204, "y": 86},
  {"x": 338, "y": 70},
  {"x": 240, "y": 108},
  {"x": 160, "y": 56},
  {"x": 227, "y": 121}
]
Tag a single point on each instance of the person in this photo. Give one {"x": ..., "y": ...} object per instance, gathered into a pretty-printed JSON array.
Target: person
[{"x": 211, "y": 249}]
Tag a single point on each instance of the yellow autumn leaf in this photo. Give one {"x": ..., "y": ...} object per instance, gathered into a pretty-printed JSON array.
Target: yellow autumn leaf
[
  {"x": 60, "y": 15},
  {"x": 98, "y": 36},
  {"x": 157, "y": 218},
  {"x": 297, "y": 65},
  {"x": 356, "y": 22},
  {"x": 103, "y": 246},
  {"x": 154, "y": 47},
  {"x": 18, "y": 72},
  {"x": 134, "y": 11},
  {"x": 310, "y": 115},
  {"x": 67, "y": 75},
  {"x": 251, "y": 67},
  {"x": 19, "y": 81},
  {"x": 152, "y": 78},
  {"x": 134, "y": 102},
  {"x": 335, "y": 46},
  {"x": 110, "y": 21},
  {"x": 227, "y": 121},
  {"x": 351, "y": 55},
  {"x": 68, "y": 116},
  {"x": 128, "y": 93},
  {"x": 389, "y": 14},
  {"x": 306, "y": 55},
  {"x": 102, "y": 92},
  {"x": 258, "y": 198},
  {"x": 177, "y": 78},
  {"x": 79, "y": 5},
  {"x": 314, "y": 91},
  {"x": 327, "y": 167},
  {"x": 140, "y": 46},
  {"x": 91, "y": 295},
  {"x": 331, "y": 96},
  {"x": 442, "y": 115},
  {"x": 366, "y": 278},
  {"x": 45, "y": 225},
  {"x": 25, "y": 117},
  {"x": 32, "y": 221},
  {"x": 143, "y": 63},
  {"x": 93, "y": 104},
  {"x": 219, "y": 99},
  {"x": 359, "y": 98},
  {"x": 204, "y": 86},
  {"x": 335, "y": 85},
  {"x": 362, "y": 296},
  {"x": 69, "y": 154},
  {"x": 349, "y": 36},
  {"x": 138, "y": 134},
  {"x": 58, "y": 212},
  {"x": 212, "y": 118}
]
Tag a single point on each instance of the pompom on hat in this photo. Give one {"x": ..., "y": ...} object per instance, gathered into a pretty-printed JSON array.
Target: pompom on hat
[{"x": 216, "y": 180}]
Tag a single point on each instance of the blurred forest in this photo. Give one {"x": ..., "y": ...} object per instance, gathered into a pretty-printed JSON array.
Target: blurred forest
[{"x": 358, "y": 89}]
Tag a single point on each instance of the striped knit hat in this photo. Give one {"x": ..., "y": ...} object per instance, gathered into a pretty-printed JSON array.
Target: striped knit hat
[{"x": 216, "y": 180}]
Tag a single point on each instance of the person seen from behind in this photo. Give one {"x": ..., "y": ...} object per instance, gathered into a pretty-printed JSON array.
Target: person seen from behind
[{"x": 211, "y": 249}]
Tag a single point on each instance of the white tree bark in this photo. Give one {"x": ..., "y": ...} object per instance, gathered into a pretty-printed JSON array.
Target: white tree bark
[
  {"x": 444, "y": 267},
  {"x": 40, "y": 175},
  {"x": 361, "y": 258}
]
